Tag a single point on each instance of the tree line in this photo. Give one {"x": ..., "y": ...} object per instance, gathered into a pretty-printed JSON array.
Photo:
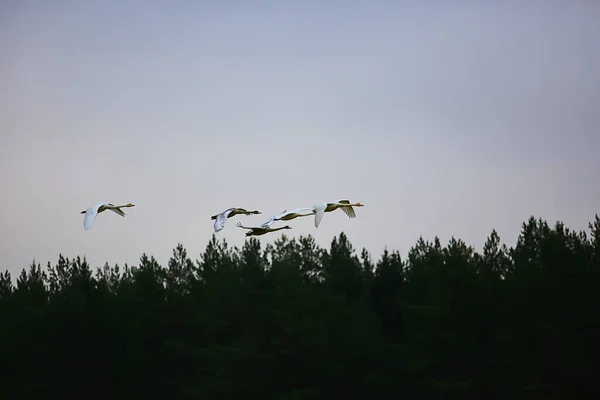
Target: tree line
[{"x": 293, "y": 320}]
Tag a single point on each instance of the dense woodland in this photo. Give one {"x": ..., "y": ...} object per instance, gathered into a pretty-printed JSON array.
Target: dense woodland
[{"x": 295, "y": 321}]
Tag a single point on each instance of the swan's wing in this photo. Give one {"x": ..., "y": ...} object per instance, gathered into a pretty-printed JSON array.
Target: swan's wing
[
  {"x": 319, "y": 212},
  {"x": 269, "y": 222},
  {"x": 220, "y": 221},
  {"x": 118, "y": 211},
  {"x": 275, "y": 218},
  {"x": 90, "y": 216},
  {"x": 281, "y": 214},
  {"x": 349, "y": 211},
  {"x": 294, "y": 211}
]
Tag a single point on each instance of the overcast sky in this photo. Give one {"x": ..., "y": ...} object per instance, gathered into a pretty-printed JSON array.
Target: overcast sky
[{"x": 443, "y": 120}]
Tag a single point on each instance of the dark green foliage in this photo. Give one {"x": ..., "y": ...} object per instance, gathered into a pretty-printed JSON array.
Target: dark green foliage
[{"x": 295, "y": 321}]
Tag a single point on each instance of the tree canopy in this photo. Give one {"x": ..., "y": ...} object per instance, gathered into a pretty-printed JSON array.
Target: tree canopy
[{"x": 293, "y": 321}]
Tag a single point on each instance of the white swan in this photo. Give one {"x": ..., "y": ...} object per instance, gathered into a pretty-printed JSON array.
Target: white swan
[
  {"x": 261, "y": 230},
  {"x": 286, "y": 215},
  {"x": 90, "y": 213},
  {"x": 221, "y": 218},
  {"x": 344, "y": 205}
]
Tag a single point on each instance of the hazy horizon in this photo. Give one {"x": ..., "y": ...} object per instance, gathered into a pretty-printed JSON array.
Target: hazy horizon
[{"x": 448, "y": 120}]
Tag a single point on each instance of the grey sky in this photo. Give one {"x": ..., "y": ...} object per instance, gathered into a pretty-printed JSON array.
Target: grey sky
[{"x": 443, "y": 120}]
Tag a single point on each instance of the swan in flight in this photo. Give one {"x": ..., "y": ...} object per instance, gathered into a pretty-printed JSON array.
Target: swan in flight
[
  {"x": 261, "y": 230},
  {"x": 221, "y": 218},
  {"x": 286, "y": 215},
  {"x": 344, "y": 205},
  {"x": 90, "y": 213}
]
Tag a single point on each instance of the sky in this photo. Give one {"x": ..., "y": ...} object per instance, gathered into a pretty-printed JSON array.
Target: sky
[{"x": 443, "y": 119}]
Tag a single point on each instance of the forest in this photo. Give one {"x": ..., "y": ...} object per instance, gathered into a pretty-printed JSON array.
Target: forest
[{"x": 293, "y": 320}]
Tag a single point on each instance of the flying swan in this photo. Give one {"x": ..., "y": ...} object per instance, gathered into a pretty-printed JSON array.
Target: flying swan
[
  {"x": 344, "y": 205},
  {"x": 90, "y": 213},
  {"x": 221, "y": 218}
]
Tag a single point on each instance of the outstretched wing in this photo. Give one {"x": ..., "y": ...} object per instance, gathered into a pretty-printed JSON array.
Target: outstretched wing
[
  {"x": 274, "y": 218},
  {"x": 90, "y": 217},
  {"x": 220, "y": 222},
  {"x": 118, "y": 211},
  {"x": 349, "y": 211},
  {"x": 269, "y": 222},
  {"x": 319, "y": 212}
]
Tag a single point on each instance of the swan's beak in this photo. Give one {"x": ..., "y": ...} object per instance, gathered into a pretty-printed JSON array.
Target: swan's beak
[{"x": 83, "y": 212}]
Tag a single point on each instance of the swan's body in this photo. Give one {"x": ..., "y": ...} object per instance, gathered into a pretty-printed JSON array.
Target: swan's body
[
  {"x": 261, "y": 230},
  {"x": 90, "y": 213},
  {"x": 344, "y": 205},
  {"x": 286, "y": 215},
  {"x": 221, "y": 218}
]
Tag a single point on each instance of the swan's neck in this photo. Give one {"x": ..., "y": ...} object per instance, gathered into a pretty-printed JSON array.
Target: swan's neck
[{"x": 125, "y": 205}]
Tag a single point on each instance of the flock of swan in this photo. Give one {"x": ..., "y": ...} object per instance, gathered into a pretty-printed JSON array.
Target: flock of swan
[{"x": 317, "y": 210}]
